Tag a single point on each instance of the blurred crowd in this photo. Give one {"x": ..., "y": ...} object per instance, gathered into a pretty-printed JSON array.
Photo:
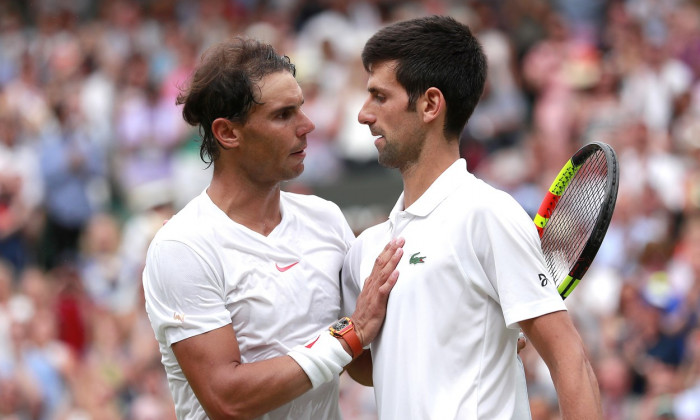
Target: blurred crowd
[{"x": 94, "y": 156}]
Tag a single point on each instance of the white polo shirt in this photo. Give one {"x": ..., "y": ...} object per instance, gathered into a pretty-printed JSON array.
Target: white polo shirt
[
  {"x": 204, "y": 271},
  {"x": 471, "y": 271}
]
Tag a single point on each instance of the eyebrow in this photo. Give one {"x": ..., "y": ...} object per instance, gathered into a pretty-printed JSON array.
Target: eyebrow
[{"x": 286, "y": 108}]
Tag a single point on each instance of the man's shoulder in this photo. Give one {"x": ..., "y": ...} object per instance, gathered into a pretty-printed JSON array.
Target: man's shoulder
[
  {"x": 480, "y": 195},
  {"x": 311, "y": 205},
  {"x": 309, "y": 200},
  {"x": 190, "y": 222},
  {"x": 478, "y": 204},
  {"x": 372, "y": 235}
]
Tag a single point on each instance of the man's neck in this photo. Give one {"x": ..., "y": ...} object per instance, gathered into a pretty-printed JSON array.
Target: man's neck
[
  {"x": 419, "y": 176},
  {"x": 253, "y": 206}
]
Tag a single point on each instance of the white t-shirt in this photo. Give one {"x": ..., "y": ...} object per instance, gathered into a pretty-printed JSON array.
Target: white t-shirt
[
  {"x": 204, "y": 271},
  {"x": 471, "y": 271}
]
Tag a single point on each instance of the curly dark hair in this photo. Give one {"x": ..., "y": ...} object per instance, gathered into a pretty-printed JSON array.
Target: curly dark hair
[{"x": 225, "y": 85}]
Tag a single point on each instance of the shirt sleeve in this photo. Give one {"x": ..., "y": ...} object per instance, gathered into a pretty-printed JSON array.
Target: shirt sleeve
[
  {"x": 351, "y": 285},
  {"x": 184, "y": 295},
  {"x": 348, "y": 236},
  {"x": 514, "y": 265}
]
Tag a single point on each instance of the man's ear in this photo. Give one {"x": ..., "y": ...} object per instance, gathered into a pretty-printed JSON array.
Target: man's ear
[
  {"x": 226, "y": 133},
  {"x": 431, "y": 104}
]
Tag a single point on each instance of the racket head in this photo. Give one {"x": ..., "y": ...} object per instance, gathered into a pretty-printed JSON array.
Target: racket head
[{"x": 575, "y": 214}]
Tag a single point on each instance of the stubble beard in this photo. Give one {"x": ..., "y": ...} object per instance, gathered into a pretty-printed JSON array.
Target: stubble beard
[
  {"x": 393, "y": 156},
  {"x": 388, "y": 156}
]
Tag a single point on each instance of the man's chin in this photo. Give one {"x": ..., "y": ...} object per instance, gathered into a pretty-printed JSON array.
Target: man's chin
[
  {"x": 387, "y": 162},
  {"x": 296, "y": 172}
]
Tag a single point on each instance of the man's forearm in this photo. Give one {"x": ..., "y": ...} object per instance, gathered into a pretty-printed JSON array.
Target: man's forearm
[
  {"x": 556, "y": 340},
  {"x": 578, "y": 392}
]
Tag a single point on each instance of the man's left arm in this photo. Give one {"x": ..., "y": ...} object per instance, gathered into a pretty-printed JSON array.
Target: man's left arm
[
  {"x": 556, "y": 340},
  {"x": 360, "y": 369}
]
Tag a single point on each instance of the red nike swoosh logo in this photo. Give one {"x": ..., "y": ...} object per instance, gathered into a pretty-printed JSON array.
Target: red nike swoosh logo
[
  {"x": 283, "y": 269},
  {"x": 308, "y": 346}
]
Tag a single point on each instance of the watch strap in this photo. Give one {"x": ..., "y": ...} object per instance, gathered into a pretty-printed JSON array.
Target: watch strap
[
  {"x": 353, "y": 341},
  {"x": 347, "y": 332}
]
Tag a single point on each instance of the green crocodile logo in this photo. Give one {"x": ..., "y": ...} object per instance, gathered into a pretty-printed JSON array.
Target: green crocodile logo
[{"x": 415, "y": 259}]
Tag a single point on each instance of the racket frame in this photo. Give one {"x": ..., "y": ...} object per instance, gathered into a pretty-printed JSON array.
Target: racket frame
[{"x": 558, "y": 189}]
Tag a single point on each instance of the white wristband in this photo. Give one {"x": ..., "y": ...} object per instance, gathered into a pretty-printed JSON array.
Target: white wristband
[{"x": 322, "y": 358}]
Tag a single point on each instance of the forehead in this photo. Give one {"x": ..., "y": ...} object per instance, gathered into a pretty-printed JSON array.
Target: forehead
[
  {"x": 279, "y": 89},
  {"x": 383, "y": 75}
]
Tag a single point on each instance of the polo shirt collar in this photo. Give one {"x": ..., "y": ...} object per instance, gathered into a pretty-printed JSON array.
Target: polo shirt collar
[{"x": 447, "y": 182}]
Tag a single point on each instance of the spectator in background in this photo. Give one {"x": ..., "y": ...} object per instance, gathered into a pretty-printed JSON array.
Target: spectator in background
[
  {"x": 499, "y": 118},
  {"x": 615, "y": 379},
  {"x": 546, "y": 72},
  {"x": 100, "y": 261},
  {"x": 15, "y": 208},
  {"x": 148, "y": 132},
  {"x": 155, "y": 204},
  {"x": 651, "y": 90},
  {"x": 13, "y": 309},
  {"x": 684, "y": 35},
  {"x": 599, "y": 111},
  {"x": 98, "y": 96},
  {"x": 22, "y": 116},
  {"x": 686, "y": 403},
  {"x": 48, "y": 361},
  {"x": 71, "y": 164}
]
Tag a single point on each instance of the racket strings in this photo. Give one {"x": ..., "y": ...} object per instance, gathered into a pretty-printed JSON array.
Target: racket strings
[{"x": 575, "y": 216}]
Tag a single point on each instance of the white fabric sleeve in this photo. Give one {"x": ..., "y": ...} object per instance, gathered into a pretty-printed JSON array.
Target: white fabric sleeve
[
  {"x": 347, "y": 234},
  {"x": 322, "y": 358},
  {"x": 184, "y": 296},
  {"x": 351, "y": 284},
  {"x": 513, "y": 261}
]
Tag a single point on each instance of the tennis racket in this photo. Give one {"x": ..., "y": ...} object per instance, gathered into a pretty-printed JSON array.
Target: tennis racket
[{"x": 575, "y": 213}]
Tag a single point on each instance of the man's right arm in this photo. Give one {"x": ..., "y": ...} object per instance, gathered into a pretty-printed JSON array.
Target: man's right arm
[
  {"x": 354, "y": 295},
  {"x": 228, "y": 388},
  {"x": 556, "y": 340}
]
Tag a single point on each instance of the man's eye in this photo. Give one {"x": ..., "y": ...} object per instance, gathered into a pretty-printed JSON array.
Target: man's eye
[{"x": 284, "y": 115}]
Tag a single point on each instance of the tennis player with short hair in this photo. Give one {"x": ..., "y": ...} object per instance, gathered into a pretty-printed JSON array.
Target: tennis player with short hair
[
  {"x": 474, "y": 272},
  {"x": 242, "y": 284}
]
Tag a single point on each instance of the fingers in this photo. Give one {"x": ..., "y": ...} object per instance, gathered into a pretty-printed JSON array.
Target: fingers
[
  {"x": 522, "y": 341},
  {"x": 389, "y": 268},
  {"x": 389, "y": 283},
  {"x": 389, "y": 250},
  {"x": 386, "y": 287},
  {"x": 371, "y": 304},
  {"x": 384, "y": 279},
  {"x": 387, "y": 260}
]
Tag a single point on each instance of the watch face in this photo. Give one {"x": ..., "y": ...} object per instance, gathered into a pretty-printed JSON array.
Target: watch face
[{"x": 341, "y": 324}]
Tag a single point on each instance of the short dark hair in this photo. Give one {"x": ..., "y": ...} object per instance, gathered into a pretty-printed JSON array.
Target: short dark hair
[
  {"x": 224, "y": 85},
  {"x": 433, "y": 51}
]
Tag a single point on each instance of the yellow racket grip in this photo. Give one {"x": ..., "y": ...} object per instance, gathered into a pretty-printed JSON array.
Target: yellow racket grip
[{"x": 567, "y": 286}]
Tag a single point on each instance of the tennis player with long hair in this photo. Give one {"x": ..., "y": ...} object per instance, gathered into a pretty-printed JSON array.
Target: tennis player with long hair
[
  {"x": 242, "y": 284},
  {"x": 473, "y": 272}
]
